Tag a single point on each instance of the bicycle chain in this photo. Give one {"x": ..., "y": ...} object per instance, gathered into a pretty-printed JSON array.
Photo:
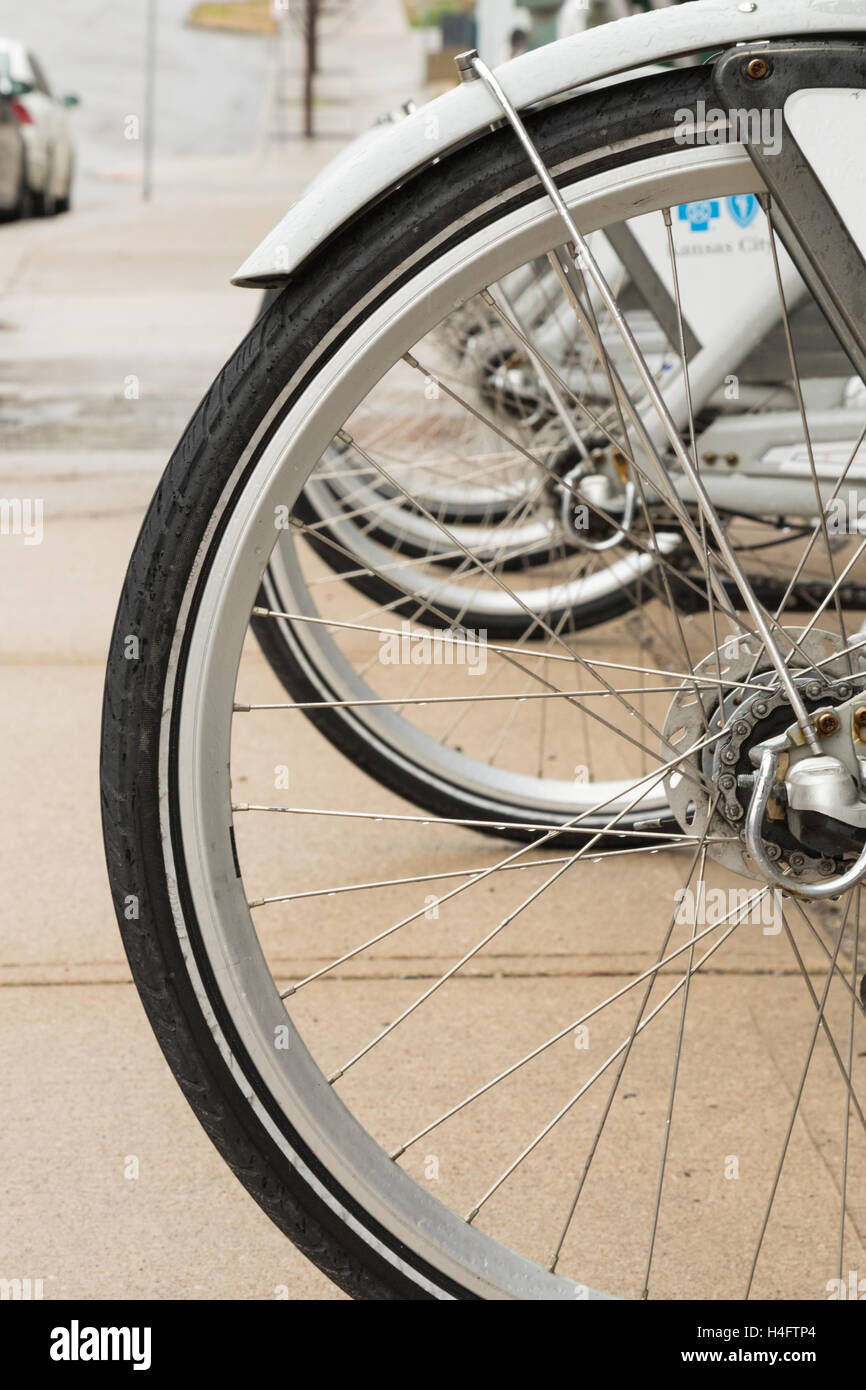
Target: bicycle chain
[
  {"x": 805, "y": 596},
  {"x": 728, "y": 754}
]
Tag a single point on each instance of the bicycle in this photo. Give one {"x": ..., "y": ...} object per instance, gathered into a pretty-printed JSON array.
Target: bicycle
[{"x": 729, "y": 744}]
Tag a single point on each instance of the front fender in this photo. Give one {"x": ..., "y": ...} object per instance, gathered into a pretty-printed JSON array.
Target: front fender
[{"x": 388, "y": 155}]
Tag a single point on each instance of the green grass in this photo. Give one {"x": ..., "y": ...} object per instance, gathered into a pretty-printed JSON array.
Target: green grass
[
  {"x": 422, "y": 13},
  {"x": 240, "y": 16}
]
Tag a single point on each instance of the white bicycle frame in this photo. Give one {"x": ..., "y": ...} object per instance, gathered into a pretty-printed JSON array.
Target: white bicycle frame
[
  {"x": 766, "y": 444},
  {"x": 384, "y": 157}
]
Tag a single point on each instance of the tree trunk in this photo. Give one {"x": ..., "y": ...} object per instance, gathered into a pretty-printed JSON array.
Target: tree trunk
[{"x": 311, "y": 19}]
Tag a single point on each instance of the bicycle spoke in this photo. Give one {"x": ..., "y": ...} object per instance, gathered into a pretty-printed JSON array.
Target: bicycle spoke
[
  {"x": 569, "y": 1105},
  {"x": 766, "y": 203},
  {"x": 485, "y": 941},
  {"x": 671, "y": 1099},
  {"x": 849, "y": 1092},
  {"x": 796, "y": 1106},
  {"x": 650, "y": 974}
]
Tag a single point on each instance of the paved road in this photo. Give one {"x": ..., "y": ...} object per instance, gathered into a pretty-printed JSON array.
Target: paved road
[{"x": 210, "y": 86}]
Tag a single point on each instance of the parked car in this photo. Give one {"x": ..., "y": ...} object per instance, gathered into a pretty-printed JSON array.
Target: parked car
[
  {"x": 48, "y": 151},
  {"x": 13, "y": 192}
]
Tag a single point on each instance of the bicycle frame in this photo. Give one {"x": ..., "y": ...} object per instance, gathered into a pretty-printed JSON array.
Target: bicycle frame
[
  {"x": 767, "y": 477},
  {"x": 767, "y": 480},
  {"x": 624, "y": 47}
]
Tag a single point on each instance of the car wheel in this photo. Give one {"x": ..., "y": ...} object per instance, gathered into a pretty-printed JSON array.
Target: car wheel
[
  {"x": 23, "y": 205},
  {"x": 44, "y": 202},
  {"x": 64, "y": 203}
]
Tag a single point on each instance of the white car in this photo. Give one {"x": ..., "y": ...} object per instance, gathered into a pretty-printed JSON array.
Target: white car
[{"x": 48, "y": 150}]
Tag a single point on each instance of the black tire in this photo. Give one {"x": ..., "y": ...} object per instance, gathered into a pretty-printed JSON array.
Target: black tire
[
  {"x": 506, "y": 628},
  {"x": 44, "y": 203},
  {"x": 23, "y": 205},
  {"x": 192, "y": 506},
  {"x": 501, "y": 629},
  {"x": 391, "y": 768},
  {"x": 64, "y": 204}
]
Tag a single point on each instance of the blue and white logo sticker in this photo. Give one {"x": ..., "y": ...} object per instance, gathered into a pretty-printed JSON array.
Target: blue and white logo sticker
[
  {"x": 743, "y": 208},
  {"x": 699, "y": 215}
]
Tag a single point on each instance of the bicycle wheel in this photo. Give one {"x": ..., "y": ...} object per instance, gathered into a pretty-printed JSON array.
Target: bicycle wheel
[
  {"x": 244, "y": 946},
  {"x": 490, "y": 470}
]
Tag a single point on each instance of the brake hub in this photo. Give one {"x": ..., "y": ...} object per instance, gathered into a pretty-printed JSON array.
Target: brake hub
[{"x": 816, "y": 814}]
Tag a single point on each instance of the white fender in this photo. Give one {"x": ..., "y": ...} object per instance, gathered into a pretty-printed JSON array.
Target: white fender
[{"x": 389, "y": 154}]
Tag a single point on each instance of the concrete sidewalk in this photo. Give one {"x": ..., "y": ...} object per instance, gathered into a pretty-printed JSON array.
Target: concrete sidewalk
[{"x": 113, "y": 322}]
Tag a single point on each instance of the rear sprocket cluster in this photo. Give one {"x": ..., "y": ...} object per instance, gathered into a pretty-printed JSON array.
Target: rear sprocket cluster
[{"x": 734, "y": 704}]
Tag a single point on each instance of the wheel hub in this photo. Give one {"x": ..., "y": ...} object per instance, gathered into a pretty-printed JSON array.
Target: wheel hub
[{"x": 712, "y": 790}]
